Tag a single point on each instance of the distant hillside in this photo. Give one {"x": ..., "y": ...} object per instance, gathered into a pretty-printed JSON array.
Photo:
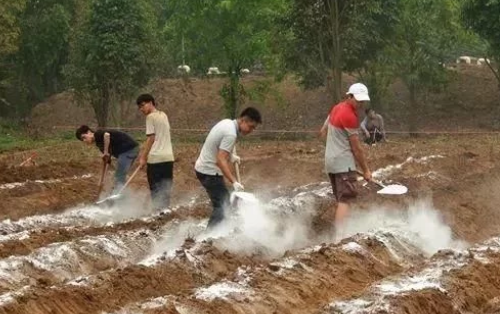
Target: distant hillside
[{"x": 466, "y": 103}]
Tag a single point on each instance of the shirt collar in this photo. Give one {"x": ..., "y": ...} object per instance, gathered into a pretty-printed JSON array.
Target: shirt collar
[{"x": 352, "y": 107}]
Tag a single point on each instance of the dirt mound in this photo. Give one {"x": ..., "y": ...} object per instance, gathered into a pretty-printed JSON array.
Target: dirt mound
[
  {"x": 451, "y": 282},
  {"x": 60, "y": 109},
  {"x": 56, "y": 170},
  {"x": 177, "y": 277},
  {"x": 46, "y": 198},
  {"x": 197, "y": 104},
  {"x": 277, "y": 257}
]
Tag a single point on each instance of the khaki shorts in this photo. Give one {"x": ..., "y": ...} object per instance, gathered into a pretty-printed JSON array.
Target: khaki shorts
[{"x": 344, "y": 186}]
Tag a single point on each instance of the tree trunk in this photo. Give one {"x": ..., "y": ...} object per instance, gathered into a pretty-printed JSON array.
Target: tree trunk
[
  {"x": 123, "y": 112},
  {"x": 496, "y": 73},
  {"x": 337, "y": 84},
  {"x": 336, "y": 66},
  {"x": 101, "y": 108},
  {"x": 496, "y": 115},
  {"x": 413, "y": 112},
  {"x": 234, "y": 94}
]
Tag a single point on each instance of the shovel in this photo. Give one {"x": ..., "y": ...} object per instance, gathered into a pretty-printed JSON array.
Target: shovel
[
  {"x": 392, "y": 189},
  {"x": 111, "y": 199},
  {"x": 241, "y": 197},
  {"x": 101, "y": 181},
  {"x": 30, "y": 158}
]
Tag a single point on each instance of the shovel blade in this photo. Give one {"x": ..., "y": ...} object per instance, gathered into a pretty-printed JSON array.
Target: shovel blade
[
  {"x": 109, "y": 200},
  {"x": 239, "y": 198},
  {"x": 393, "y": 189}
]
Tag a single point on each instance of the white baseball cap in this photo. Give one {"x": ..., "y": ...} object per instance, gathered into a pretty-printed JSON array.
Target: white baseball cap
[{"x": 359, "y": 91}]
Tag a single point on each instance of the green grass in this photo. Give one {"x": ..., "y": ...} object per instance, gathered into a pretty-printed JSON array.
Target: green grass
[
  {"x": 13, "y": 139},
  {"x": 19, "y": 142}
]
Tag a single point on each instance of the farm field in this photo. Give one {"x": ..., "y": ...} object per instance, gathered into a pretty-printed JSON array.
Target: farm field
[{"x": 434, "y": 250}]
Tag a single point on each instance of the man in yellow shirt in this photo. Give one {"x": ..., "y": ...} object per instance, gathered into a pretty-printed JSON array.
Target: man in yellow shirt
[{"x": 157, "y": 153}]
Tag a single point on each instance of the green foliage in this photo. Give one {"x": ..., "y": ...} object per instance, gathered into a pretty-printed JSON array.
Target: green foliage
[
  {"x": 105, "y": 50},
  {"x": 427, "y": 33},
  {"x": 470, "y": 44},
  {"x": 263, "y": 90},
  {"x": 482, "y": 17},
  {"x": 232, "y": 93},
  {"x": 9, "y": 26},
  {"x": 229, "y": 34},
  {"x": 223, "y": 33},
  {"x": 34, "y": 71},
  {"x": 111, "y": 59},
  {"x": 378, "y": 75},
  {"x": 43, "y": 51},
  {"x": 13, "y": 138},
  {"x": 330, "y": 36}
]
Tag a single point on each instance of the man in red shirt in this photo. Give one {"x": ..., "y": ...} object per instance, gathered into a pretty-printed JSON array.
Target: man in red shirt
[{"x": 344, "y": 151}]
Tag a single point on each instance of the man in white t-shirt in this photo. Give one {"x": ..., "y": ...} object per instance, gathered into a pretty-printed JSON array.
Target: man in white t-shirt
[
  {"x": 157, "y": 153},
  {"x": 217, "y": 152}
]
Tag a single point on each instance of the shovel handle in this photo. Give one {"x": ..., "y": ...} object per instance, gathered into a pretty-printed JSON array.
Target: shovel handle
[
  {"x": 28, "y": 160},
  {"x": 101, "y": 180},
  {"x": 237, "y": 170},
  {"x": 372, "y": 180},
  {"x": 237, "y": 167},
  {"x": 130, "y": 179}
]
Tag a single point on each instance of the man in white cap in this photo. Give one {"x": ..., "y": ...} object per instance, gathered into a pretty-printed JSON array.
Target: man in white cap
[{"x": 344, "y": 151}]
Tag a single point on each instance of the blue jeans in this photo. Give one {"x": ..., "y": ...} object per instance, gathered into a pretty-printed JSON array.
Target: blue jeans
[
  {"x": 124, "y": 162},
  {"x": 218, "y": 194}
]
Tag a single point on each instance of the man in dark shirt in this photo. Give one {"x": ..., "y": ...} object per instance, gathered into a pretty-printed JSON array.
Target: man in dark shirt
[{"x": 112, "y": 143}]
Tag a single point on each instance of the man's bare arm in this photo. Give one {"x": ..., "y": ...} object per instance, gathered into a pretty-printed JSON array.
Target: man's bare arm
[
  {"x": 357, "y": 150},
  {"x": 146, "y": 149},
  {"x": 223, "y": 164}
]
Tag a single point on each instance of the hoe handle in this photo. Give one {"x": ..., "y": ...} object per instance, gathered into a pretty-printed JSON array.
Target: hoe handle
[
  {"x": 130, "y": 179},
  {"x": 237, "y": 167},
  {"x": 372, "y": 180},
  {"x": 101, "y": 180}
]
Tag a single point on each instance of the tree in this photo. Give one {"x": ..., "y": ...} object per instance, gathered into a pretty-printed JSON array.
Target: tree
[
  {"x": 378, "y": 74},
  {"x": 43, "y": 51},
  {"x": 33, "y": 71},
  {"x": 426, "y": 33},
  {"x": 482, "y": 17},
  {"x": 9, "y": 44},
  {"x": 330, "y": 36},
  {"x": 229, "y": 34},
  {"x": 113, "y": 54},
  {"x": 9, "y": 26}
]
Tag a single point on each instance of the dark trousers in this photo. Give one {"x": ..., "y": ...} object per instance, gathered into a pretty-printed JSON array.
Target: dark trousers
[
  {"x": 160, "y": 179},
  {"x": 218, "y": 194}
]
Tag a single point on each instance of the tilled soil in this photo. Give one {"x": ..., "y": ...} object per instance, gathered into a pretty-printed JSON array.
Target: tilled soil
[{"x": 434, "y": 250}]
